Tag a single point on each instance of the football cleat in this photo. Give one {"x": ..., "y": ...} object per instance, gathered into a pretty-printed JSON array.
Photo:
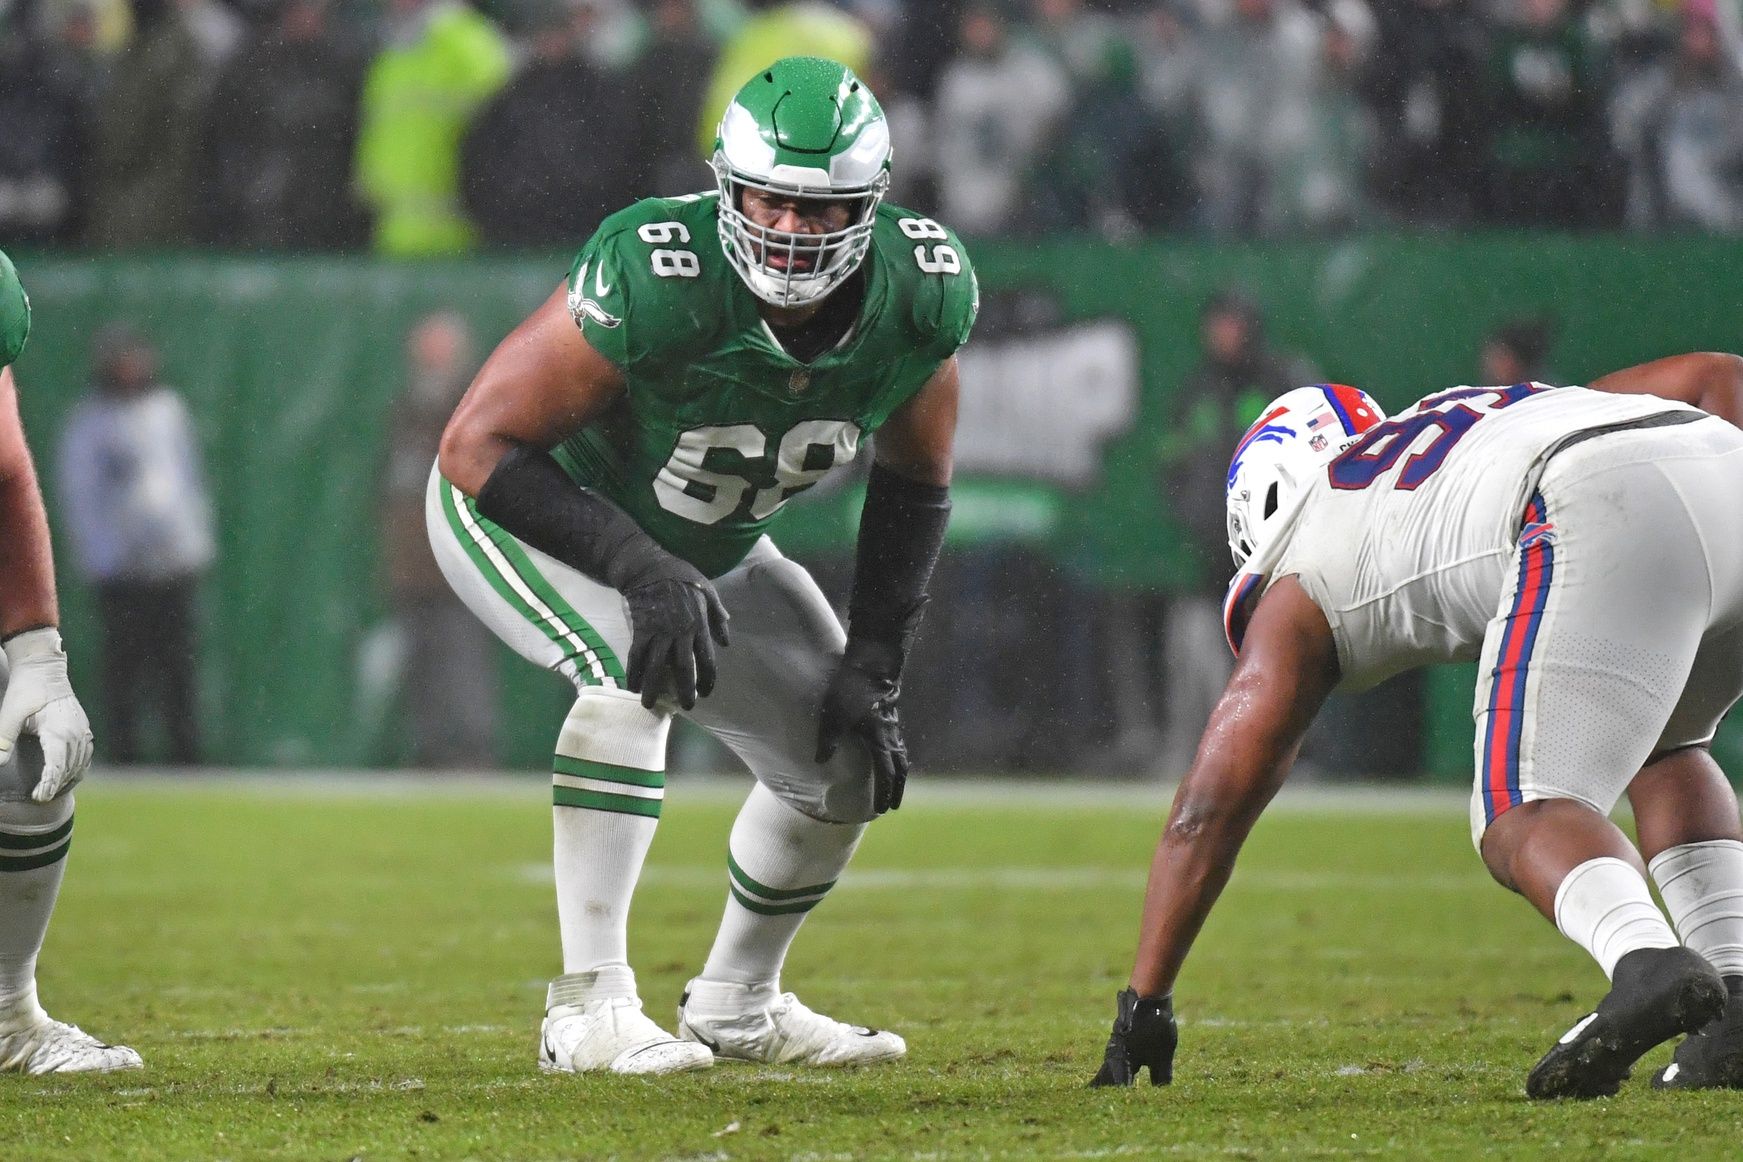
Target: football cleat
[
  {"x": 1711, "y": 1057},
  {"x": 51, "y": 1046},
  {"x": 751, "y": 1023},
  {"x": 1655, "y": 994},
  {"x": 613, "y": 1034},
  {"x": 1144, "y": 1037}
]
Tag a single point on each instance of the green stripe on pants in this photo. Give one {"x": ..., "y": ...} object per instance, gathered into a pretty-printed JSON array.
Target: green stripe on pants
[{"x": 566, "y": 629}]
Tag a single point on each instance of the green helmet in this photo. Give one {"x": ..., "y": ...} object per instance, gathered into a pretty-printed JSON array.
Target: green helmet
[
  {"x": 808, "y": 127},
  {"x": 14, "y": 313}
]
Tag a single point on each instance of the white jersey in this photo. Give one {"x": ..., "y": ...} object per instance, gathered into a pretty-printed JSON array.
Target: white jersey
[{"x": 1404, "y": 540}]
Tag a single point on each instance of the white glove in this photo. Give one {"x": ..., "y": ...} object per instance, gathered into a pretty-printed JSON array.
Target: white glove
[{"x": 40, "y": 700}]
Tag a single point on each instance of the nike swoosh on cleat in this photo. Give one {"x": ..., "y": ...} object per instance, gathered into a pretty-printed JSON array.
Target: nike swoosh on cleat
[
  {"x": 1578, "y": 1029},
  {"x": 550, "y": 1053},
  {"x": 867, "y": 1032}
]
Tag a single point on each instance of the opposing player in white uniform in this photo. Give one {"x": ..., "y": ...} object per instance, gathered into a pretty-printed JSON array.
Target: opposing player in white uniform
[
  {"x": 1586, "y": 547},
  {"x": 45, "y": 743}
]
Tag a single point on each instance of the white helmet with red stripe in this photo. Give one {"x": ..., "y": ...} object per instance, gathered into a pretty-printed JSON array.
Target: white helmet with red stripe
[{"x": 1295, "y": 437}]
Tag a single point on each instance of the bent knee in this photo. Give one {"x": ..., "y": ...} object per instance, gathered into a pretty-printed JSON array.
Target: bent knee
[
  {"x": 26, "y": 817},
  {"x": 838, "y": 791}
]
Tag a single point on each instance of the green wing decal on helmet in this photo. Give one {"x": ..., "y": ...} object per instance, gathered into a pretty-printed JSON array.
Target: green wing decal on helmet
[
  {"x": 804, "y": 127},
  {"x": 14, "y": 313}
]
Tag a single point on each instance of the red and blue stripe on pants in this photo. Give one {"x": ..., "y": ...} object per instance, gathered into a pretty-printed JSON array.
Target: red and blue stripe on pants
[{"x": 1500, "y": 762}]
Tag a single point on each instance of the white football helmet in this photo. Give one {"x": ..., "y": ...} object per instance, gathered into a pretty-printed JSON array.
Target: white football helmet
[
  {"x": 803, "y": 127},
  {"x": 1296, "y": 436}
]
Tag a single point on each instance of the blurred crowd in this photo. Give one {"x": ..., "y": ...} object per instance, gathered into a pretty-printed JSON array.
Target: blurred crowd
[{"x": 435, "y": 126}]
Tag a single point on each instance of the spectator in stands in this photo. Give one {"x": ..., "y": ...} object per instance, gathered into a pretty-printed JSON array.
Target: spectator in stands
[
  {"x": 1517, "y": 351},
  {"x": 442, "y": 60},
  {"x": 1110, "y": 164},
  {"x": 1002, "y": 102},
  {"x": 1680, "y": 124},
  {"x": 1238, "y": 372},
  {"x": 449, "y": 677},
  {"x": 148, "y": 130},
  {"x": 139, "y": 516},
  {"x": 1424, "y": 85},
  {"x": 782, "y": 28},
  {"x": 554, "y": 152},
  {"x": 1548, "y": 163},
  {"x": 679, "y": 59},
  {"x": 1281, "y": 132},
  {"x": 1322, "y": 145},
  {"x": 281, "y": 130},
  {"x": 48, "y": 90}
]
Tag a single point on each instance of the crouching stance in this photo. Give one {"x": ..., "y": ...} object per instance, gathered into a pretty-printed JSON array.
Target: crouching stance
[
  {"x": 601, "y": 503},
  {"x": 45, "y": 744},
  {"x": 1584, "y": 547}
]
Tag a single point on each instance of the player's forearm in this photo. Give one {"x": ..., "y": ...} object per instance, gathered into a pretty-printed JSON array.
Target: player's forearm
[
  {"x": 528, "y": 494},
  {"x": 1192, "y": 865},
  {"x": 1246, "y": 754},
  {"x": 901, "y": 533}
]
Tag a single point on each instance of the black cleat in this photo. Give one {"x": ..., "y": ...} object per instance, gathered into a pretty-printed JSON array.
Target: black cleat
[
  {"x": 1144, "y": 1036},
  {"x": 1712, "y": 1057},
  {"x": 1655, "y": 994}
]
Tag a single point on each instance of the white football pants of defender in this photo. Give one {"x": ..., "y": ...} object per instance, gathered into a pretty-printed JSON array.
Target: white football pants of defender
[
  {"x": 802, "y": 821},
  {"x": 1620, "y": 628}
]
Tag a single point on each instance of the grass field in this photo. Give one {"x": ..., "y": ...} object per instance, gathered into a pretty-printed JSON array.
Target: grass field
[{"x": 336, "y": 971}]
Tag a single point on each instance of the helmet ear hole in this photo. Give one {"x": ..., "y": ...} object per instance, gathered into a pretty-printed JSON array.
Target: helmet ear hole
[{"x": 1271, "y": 500}]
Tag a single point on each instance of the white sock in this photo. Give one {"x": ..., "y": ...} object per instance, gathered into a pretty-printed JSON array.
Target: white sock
[
  {"x": 578, "y": 988},
  {"x": 608, "y": 783},
  {"x": 780, "y": 865},
  {"x": 1605, "y": 907},
  {"x": 1702, "y": 886},
  {"x": 34, "y": 840}
]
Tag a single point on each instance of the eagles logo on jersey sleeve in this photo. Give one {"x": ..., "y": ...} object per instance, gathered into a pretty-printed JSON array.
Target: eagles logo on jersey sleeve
[{"x": 650, "y": 283}]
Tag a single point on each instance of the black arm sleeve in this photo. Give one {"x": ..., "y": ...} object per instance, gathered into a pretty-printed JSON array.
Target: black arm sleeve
[
  {"x": 530, "y": 495},
  {"x": 901, "y": 530}
]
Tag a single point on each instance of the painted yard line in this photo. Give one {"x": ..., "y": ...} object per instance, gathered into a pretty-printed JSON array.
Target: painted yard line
[
  {"x": 936, "y": 791},
  {"x": 294, "y": 1032},
  {"x": 1048, "y": 879}
]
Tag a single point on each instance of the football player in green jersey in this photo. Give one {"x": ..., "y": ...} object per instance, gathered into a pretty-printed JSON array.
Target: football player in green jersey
[
  {"x": 38, "y": 770},
  {"x": 602, "y": 500}
]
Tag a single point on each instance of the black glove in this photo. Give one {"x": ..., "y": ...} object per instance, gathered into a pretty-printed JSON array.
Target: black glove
[
  {"x": 1144, "y": 1035},
  {"x": 676, "y": 620},
  {"x": 861, "y": 700}
]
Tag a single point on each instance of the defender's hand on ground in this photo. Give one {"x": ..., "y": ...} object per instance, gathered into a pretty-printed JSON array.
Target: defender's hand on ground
[
  {"x": 39, "y": 700},
  {"x": 861, "y": 700},
  {"x": 676, "y": 622},
  {"x": 1144, "y": 1036}
]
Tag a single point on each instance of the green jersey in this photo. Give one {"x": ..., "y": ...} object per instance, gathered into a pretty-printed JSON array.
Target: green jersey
[
  {"x": 718, "y": 426},
  {"x": 14, "y": 313}
]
